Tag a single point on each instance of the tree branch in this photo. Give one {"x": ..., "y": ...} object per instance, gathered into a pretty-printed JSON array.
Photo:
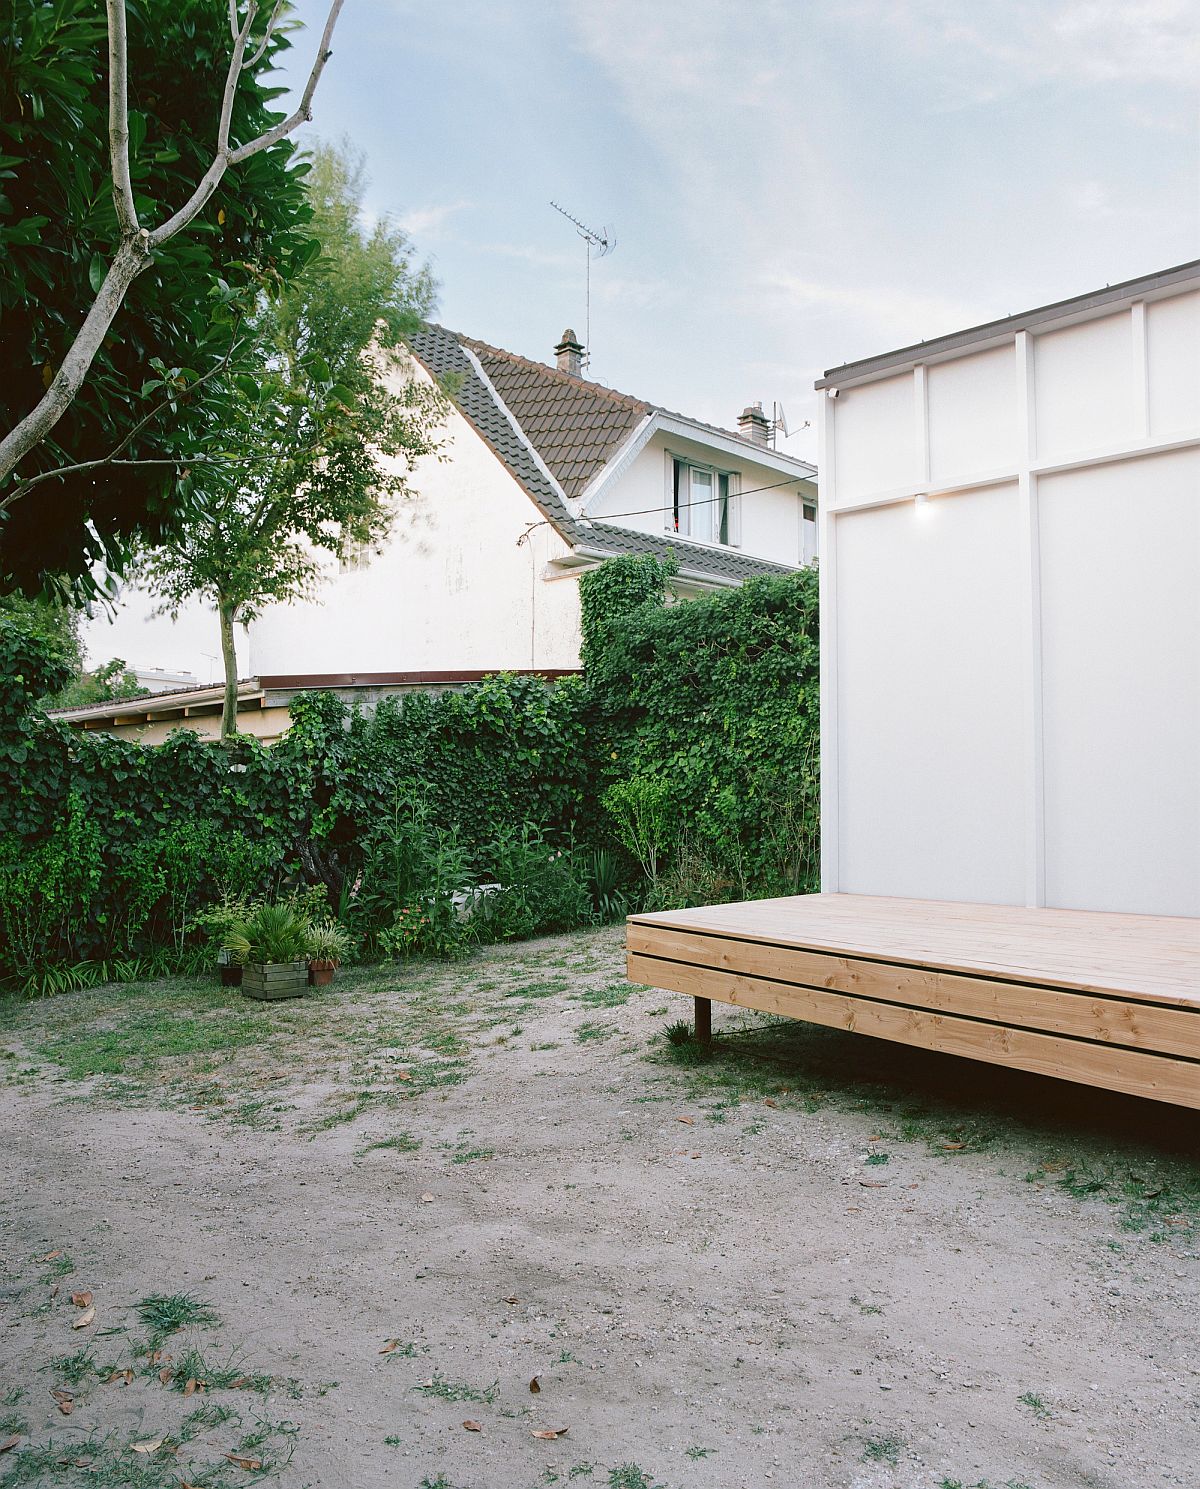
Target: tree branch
[
  {"x": 118, "y": 119},
  {"x": 133, "y": 255},
  {"x": 112, "y": 458},
  {"x": 266, "y": 41}
]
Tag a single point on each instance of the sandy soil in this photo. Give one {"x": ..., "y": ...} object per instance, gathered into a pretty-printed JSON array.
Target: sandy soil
[{"x": 714, "y": 1287}]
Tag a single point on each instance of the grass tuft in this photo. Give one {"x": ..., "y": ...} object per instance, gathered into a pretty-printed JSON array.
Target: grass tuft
[{"x": 164, "y": 1313}]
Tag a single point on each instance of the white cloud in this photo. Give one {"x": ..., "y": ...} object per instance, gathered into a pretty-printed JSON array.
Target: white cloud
[{"x": 429, "y": 221}]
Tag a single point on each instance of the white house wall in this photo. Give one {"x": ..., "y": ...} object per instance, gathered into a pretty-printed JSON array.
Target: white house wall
[
  {"x": 771, "y": 520},
  {"x": 458, "y": 586},
  {"x": 1011, "y": 617}
]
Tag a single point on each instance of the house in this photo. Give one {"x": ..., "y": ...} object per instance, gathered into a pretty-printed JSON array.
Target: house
[
  {"x": 1010, "y": 708},
  {"x": 542, "y": 475}
]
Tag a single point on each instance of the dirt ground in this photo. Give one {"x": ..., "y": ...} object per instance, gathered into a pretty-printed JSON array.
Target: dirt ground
[{"x": 811, "y": 1261}]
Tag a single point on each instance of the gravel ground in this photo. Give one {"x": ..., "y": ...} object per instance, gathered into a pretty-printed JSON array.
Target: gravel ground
[{"x": 813, "y": 1261}]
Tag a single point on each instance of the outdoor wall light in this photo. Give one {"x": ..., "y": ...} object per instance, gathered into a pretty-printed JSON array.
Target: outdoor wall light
[{"x": 922, "y": 505}]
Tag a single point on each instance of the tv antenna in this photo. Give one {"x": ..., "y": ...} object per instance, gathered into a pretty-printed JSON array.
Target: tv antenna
[{"x": 604, "y": 242}]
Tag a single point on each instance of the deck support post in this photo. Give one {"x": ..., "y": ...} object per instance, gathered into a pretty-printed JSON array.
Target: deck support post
[{"x": 704, "y": 1020}]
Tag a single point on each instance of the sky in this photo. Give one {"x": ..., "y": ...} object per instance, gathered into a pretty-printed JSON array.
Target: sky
[{"x": 789, "y": 185}]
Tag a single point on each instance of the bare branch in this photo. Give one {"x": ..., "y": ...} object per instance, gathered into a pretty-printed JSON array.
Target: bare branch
[
  {"x": 233, "y": 20},
  {"x": 231, "y": 80},
  {"x": 118, "y": 118},
  {"x": 133, "y": 255},
  {"x": 266, "y": 41}
]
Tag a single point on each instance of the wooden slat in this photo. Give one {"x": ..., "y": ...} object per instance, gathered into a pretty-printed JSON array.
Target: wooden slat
[
  {"x": 1151, "y": 957},
  {"x": 1136, "y": 1025},
  {"x": 1135, "y": 1072}
]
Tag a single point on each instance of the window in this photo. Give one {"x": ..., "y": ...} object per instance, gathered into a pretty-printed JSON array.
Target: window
[{"x": 703, "y": 502}]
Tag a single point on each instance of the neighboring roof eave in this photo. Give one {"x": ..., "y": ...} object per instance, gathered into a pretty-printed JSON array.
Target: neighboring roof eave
[{"x": 994, "y": 332}]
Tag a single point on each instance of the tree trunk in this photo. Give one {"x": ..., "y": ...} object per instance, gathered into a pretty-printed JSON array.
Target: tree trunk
[{"x": 228, "y": 614}]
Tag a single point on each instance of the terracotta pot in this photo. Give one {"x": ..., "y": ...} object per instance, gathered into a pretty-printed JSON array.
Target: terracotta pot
[{"x": 320, "y": 974}]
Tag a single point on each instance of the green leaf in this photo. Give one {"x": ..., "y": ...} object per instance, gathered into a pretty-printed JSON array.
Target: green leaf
[{"x": 97, "y": 270}]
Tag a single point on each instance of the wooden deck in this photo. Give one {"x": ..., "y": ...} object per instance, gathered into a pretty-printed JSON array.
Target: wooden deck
[{"x": 1106, "y": 1000}]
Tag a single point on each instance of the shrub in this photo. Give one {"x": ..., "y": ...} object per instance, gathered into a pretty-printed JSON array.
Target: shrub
[{"x": 541, "y": 887}]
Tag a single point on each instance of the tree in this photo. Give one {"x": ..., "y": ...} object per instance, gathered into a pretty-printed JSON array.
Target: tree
[
  {"x": 114, "y": 201},
  {"x": 57, "y": 626},
  {"x": 317, "y": 443}
]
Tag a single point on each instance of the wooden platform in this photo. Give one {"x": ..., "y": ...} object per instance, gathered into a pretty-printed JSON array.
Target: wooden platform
[{"x": 1106, "y": 1000}]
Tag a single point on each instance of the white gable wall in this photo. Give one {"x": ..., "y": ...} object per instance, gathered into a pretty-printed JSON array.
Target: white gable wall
[
  {"x": 1011, "y": 665},
  {"x": 457, "y": 586},
  {"x": 770, "y": 520}
]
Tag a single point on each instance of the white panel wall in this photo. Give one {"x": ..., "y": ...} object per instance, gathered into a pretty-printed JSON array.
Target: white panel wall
[
  {"x": 1011, "y": 682},
  {"x": 876, "y": 438},
  {"x": 1120, "y": 549},
  {"x": 1173, "y": 363},
  {"x": 940, "y": 701},
  {"x": 972, "y": 416},
  {"x": 1083, "y": 377}
]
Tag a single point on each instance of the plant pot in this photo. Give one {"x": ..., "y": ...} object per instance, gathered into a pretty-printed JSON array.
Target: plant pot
[
  {"x": 231, "y": 974},
  {"x": 320, "y": 973},
  {"x": 269, "y": 981}
]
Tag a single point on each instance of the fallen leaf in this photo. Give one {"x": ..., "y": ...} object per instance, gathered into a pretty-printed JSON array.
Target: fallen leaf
[
  {"x": 152, "y": 1446},
  {"x": 51, "y": 1256},
  {"x": 66, "y": 1402},
  {"x": 873, "y": 1183},
  {"x": 876, "y": 1137},
  {"x": 190, "y": 1388},
  {"x": 548, "y": 1434},
  {"x": 691, "y": 1121},
  {"x": 425, "y": 1385},
  {"x": 427, "y": 1199},
  {"x": 953, "y": 1147},
  {"x": 154, "y": 1356},
  {"x": 85, "y": 1318},
  {"x": 248, "y": 1463},
  {"x": 54, "y": 1291},
  {"x": 240, "y": 1384},
  {"x": 10, "y": 1442},
  {"x": 403, "y": 1075},
  {"x": 534, "y": 1386},
  {"x": 769, "y": 1101},
  {"x": 473, "y": 1426},
  {"x": 124, "y": 1376},
  {"x": 82, "y": 1300},
  {"x": 390, "y": 1346},
  {"x": 512, "y": 1299},
  {"x": 165, "y": 1374}
]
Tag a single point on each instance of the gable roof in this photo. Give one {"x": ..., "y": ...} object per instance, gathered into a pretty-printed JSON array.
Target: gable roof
[{"x": 556, "y": 424}]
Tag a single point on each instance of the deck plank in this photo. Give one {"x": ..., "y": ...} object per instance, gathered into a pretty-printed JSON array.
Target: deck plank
[{"x": 1150, "y": 957}]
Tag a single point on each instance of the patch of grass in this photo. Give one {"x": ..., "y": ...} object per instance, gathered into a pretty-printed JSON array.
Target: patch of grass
[
  {"x": 77, "y": 1367},
  {"x": 402, "y": 1142},
  {"x": 885, "y": 1449},
  {"x": 629, "y": 1476},
  {"x": 865, "y": 1307},
  {"x": 1035, "y": 1404},
  {"x": 348, "y": 1105},
  {"x": 164, "y": 1313},
  {"x": 162, "y": 1029},
  {"x": 590, "y": 1031},
  {"x": 13, "y": 1424},
  {"x": 683, "y": 1048},
  {"x": 456, "y": 1390},
  {"x": 58, "y": 1266},
  {"x": 877, "y": 1158},
  {"x": 466, "y": 1154},
  {"x": 549, "y": 1045},
  {"x": 192, "y": 1365},
  {"x": 581, "y": 1470},
  {"x": 211, "y": 1414},
  {"x": 696, "y": 1453},
  {"x": 615, "y": 995}
]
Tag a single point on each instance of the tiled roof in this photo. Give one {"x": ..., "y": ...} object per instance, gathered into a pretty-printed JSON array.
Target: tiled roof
[
  {"x": 559, "y": 407},
  {"x": 575, "y": 426}
]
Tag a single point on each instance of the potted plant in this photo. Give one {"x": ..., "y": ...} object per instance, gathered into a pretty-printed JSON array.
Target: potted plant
[
  {"x": 328, "y": 945},
  {"x": 219, "y": 921},
  {"x": 271, "y": 944}
]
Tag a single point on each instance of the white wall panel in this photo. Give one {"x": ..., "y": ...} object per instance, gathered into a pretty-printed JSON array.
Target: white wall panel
[
  {"x": 1173, "y": 364},
  {"x": 1083, "y": 377},
  {"x": 929, "y": 664},
  {"x": 875, "y": 436},
  {"x": 972, "y": 415},
  {"x": 1120, "y": 559}
]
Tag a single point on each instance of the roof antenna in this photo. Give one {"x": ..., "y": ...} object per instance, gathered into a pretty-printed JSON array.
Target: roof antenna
[{"x": 605, "y": 242}]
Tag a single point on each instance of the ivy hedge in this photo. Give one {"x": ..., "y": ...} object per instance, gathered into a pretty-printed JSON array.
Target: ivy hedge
[{"x": 685, "y": 757}]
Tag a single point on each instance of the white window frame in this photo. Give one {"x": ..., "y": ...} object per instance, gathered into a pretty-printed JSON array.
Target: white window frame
[{"x": 684, "y": 511}]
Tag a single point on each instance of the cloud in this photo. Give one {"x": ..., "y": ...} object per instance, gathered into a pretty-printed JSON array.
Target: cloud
[{"x": 429, "y": 221}]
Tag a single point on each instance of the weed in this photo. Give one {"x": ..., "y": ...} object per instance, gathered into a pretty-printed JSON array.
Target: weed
[
  {"x": 164, "y": 1313},
  {"x": 629, "y": 1476},
  {"x": 453, "y": 1390},
  {"x": 58, "y": 1266},
  {"x": 192, "y": 1366},
  {"x": 394, "y": 1442},
  {"x": 615, "y": 995},
  {"x": 1035, "y": 1404},
  {"x": 883, "y": 1449},
  {"x": 683, "y": 1047},
  {"x": 13, "y": 1424},
  {"x": 590, "y": 1031},
  {"x": 76, "y": 1367},
  {"x": 403, "y": 1142},
  {"x": 877, "y": 1158},
  {"x": 466, "y": 1154},
  {"x": 865, "y": 1307},
  {"x": 211, "y": 1414},
  {"x": 695, "y": 1453},
  {"x": 581, "y": 1470}
]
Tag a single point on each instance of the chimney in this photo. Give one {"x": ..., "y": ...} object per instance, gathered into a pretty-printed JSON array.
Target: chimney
[
  {"x": 569, "y": 354},
  {"x": 753, "y": 425}
]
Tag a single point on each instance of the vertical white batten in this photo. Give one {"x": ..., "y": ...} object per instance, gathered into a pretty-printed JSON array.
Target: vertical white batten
[
  {"x": 1141, "y": 376},
  {"x": 921, "y": 411},
  {"x": 1030, "y": 579},
  {"x": 827, "y": 588}
]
